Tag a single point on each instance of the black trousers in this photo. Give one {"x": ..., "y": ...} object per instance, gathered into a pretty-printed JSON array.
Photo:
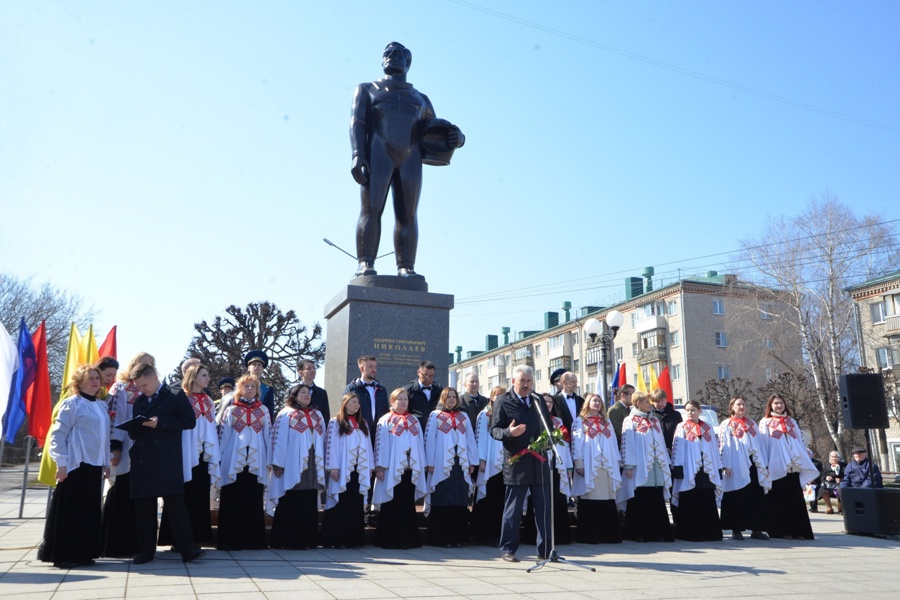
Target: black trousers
[{"x": 179, "y": 524}]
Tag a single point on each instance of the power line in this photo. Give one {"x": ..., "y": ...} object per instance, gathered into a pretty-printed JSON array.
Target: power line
[
  {"x": 606, "y": 278},
  {"x": 680, "y": 70}
]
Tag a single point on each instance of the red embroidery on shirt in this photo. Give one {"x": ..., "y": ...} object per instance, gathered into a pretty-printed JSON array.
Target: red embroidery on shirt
[
  {"x": 782, "y": 425},
  {"x": 692, "y": 431},
  {"x": 643, "y": 424},
  {"x": 594, "y": 426},
  {"x": 739, "y": 426},
  {"x": 397, "y": 424},
  {"x": 249, "y": 415},
  {"x": 303, "y": 419},
  {"x": 202, "y": 405},
  {"x": 448, "y": 420}
]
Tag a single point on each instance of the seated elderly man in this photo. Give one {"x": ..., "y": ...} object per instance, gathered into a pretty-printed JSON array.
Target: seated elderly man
[{"x": 861, "y": 472}]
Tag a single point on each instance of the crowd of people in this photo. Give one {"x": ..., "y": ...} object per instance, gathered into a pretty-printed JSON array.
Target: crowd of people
[{"x": 474, "y": 463}]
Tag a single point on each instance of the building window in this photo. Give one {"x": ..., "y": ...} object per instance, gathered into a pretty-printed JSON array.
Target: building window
[
  {"x": 481, "y": 368},
  {"x": 592, "y": 356},
  {"x": 673, "y": 338},
  {"x": 877, "y": 312},
  {"x": 673, "y": 307},
  {"x": 770, "y": 374},
  {"x": 523, "y": 353},
  {"x": 575, "y": 338},
  {"x": 556, "y": 341},
  {"x": 538, "y": 373},
  {"x": 721, "y": 339},
  {"x": 634, "y": 349},
  {"x": 675, "y": 371},
  {"x": 563, "y": 362},
  {"x": 770, "y": 343},
  {"x": 718, "y": 307},
  {"x": 633, "y": 318},
  {"x": 620, "y": 355},
  {"x": 883, "y": 358},
  {"x": 575, "y": 364},
  {"x": 537, "y": 350},
  {"x": 765, "y": 312},
  {"x": 723, "y": 372}
]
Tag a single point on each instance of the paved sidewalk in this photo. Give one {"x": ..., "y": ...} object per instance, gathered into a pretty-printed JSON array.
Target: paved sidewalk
[{"x": 852, "y": 566}]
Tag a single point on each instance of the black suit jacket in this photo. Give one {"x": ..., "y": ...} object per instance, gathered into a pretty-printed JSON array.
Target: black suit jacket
[
  {"x": 528, "y": 470},
  {"x": 472, "y": 405},
  {"x": 319, "y": 400},
  {"x": 561, "y": 409},
  {"x": 156, "y": 466},
  {"x": 419, "y": 404},
  {"x": 382, "y": 406}
]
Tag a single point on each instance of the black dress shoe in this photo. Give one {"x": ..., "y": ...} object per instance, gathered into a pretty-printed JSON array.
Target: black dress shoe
[
  {"x": 86, "y": 563},
  {"x": 198, "y": 553},
  {"x": 758, "y": 535},
  {"x": 66, "y": 564},
  {"x": 737, "y": 535},
  {"x": 141, "y": 559},
  {"x": 509, "y": 557}
]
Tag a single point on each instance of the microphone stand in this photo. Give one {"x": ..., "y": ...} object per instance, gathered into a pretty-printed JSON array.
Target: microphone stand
[{"x": 552, "y": 555}]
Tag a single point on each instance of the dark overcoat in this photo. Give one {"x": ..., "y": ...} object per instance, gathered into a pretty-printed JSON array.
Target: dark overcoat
[
  {"x": 527, "y": 470},
  {"x": 156, "y": 467},
  {"x": 472, "y": 405}
]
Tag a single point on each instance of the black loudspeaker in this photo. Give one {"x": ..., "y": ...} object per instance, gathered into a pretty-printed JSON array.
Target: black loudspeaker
[
  {"x": 870, "y": 511},
  {"x": 862, "y": 401}
]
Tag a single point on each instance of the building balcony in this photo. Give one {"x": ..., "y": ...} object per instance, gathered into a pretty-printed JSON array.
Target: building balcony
[
  {"x": 892, "y": 326},
  {"x": 527, "y": 360},
  {"x": 652, "y": 355},
  {"x": 651, "y": 323}
]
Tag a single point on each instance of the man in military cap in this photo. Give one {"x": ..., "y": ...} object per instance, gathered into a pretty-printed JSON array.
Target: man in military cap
[{"x": 256, "y": 362}]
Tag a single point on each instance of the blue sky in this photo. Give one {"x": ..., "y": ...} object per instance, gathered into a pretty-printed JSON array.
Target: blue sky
[{"x": 166, "y": 159}]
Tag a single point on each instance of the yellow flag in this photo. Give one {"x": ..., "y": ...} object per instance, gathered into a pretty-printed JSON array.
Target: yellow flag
[
  {"x": 641, "y": 384},
  {"x": 88, "y": 352},
  {"x": 47, "y": 473},
  {"x": 654, "y": 382}
]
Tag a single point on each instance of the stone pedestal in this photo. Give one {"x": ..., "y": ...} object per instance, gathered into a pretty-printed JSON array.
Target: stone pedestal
[{"x": 400, "y": 326}]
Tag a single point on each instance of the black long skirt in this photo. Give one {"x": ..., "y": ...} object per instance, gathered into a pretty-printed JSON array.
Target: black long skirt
[
  {"x": 196, "y": 499},
  {"x": 786, "y": 514},
  {"x": 561, "y": 525},
  {"x": 598, "y": 522},
  {"x": 398, "y": 526},
  {"x": 344, "y": 524},
  {"x": 448, "y": 519},
  {"x": 242, "y": 522},
  {"x": 646, "y": 518},
  {"x": 119, "y": 524},
  {"x": 745, "y": 508},
  {"x": 296, "y": 522},
  {"x": 72, "y": 532},
  {"x": 487, "y": 514},
  {"x": 698, "y": 515}
]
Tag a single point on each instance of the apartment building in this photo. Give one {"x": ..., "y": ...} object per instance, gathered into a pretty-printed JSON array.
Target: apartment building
[
  {"x": 877, "y": 304},
  {"x": 702, "y": 328}
]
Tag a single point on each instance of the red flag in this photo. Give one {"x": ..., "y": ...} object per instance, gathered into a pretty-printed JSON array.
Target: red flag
[
  {"x": 665, "y": 384},
  {"x": 37, "y": 399},
  {"x": 108, "y": 348}
]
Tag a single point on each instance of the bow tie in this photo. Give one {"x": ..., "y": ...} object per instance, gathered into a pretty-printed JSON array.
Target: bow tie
[
  {"x": 426, "y": 387},
  {"x": 570, "y": 397},
  {"x": 371, "y": 385}
]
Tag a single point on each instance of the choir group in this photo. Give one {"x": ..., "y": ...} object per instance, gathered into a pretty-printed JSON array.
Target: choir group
[{"x": 382, "y": 454}]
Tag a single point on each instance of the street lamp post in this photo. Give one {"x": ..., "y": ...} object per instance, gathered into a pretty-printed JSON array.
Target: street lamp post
[{"x": 606, "y": 331}]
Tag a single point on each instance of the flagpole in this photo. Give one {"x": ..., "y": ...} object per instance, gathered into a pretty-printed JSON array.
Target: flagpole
[
  {"x": 28, "y": 441},
  {"x": 2, "y": 447}
]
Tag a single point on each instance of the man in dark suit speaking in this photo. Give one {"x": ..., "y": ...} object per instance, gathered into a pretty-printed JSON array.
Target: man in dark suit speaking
[
  {"x": 156, "y": 466},
  {"x": 516, "y": 423}
]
